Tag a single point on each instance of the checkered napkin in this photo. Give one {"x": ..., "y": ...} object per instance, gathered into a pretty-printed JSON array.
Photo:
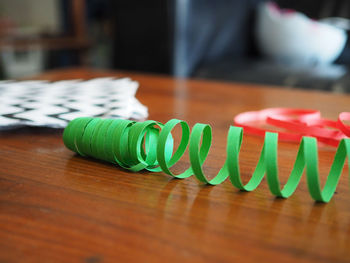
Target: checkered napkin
[{"x": 54, "y": 104}]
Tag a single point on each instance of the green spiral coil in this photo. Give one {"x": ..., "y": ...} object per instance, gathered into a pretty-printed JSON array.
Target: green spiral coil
[{"x": 149, "y": 145}]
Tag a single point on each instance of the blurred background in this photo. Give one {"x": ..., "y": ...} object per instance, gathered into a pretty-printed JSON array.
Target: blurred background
[{"x": 301, "y": 44}]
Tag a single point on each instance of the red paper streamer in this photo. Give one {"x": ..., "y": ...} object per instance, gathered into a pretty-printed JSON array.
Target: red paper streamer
[{"x": 296, "y": 123}]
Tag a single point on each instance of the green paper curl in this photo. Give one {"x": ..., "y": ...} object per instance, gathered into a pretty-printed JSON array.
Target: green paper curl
[{"x": 149, "y": 145}]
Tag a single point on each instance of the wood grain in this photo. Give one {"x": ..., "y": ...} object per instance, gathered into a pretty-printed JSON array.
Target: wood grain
[{"x": 58, "y": 207}]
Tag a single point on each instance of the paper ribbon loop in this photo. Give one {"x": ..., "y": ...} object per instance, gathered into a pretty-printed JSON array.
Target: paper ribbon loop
[
  {"x": 296, "y": 124},
  {"x": 149, "y": 145}
]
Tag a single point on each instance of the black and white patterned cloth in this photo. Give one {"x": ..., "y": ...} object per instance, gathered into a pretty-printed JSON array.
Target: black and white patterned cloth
[{"x": 54, "y": 104}]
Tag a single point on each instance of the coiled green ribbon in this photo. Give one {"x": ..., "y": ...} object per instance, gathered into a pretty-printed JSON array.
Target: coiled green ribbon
[{"x": 149, "y": 145}]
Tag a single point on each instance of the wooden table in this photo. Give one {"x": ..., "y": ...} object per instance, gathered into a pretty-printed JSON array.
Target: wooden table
[{"x": 58, "y": 207}]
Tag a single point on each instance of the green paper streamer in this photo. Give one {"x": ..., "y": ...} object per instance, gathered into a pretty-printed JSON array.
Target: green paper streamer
[{"x": 149, "y": 145}]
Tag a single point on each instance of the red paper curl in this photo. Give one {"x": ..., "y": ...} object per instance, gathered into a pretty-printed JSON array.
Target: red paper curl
[{"x": 296, "y": 123}]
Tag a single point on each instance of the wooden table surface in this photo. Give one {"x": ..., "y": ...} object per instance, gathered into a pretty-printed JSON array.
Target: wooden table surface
[{"x": 56, "y": 206}]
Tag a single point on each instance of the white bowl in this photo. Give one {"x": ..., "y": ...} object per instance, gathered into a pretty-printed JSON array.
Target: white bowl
[{"x": 292, "y": 37}]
